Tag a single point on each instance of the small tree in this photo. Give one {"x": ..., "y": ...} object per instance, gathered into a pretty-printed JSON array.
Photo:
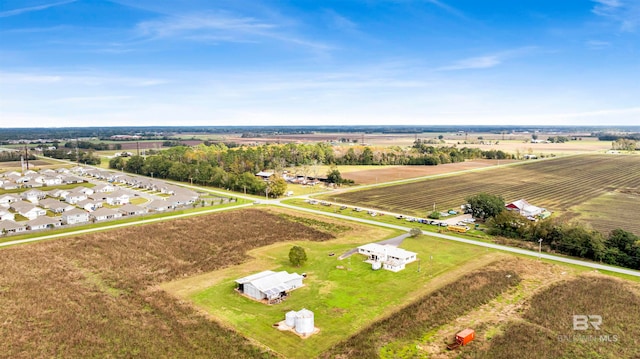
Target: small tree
[
  {"x": 334, "y": 176},
  {"x": 297, "y": 256},
  {"x": 414, "y": 232}
]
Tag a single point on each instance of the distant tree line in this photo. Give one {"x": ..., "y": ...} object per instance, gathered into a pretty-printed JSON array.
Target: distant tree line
[
  {"x": 619, "y": 247},
  {"x": 198, "y": 162},
  {"x": 616, "y": 136},
  {"x": 8, "y": 156},
  {"x": 84, "y": 157},
  {"x": 100, "y": 146},
  {"x": 218, "y": 165}
]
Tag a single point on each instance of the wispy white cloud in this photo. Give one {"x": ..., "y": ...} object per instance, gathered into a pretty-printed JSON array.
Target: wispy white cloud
[
  {"x": 486, "y": 61},
  {"x": 221, "y": 26},
  {"x": 340, "y": 22},
  {"x": 78, "y": 79},
  {"x": 91, "y": 99},
  {"x": 480, "y": 62},
  {"x": 23, "y": 10},
  {"x": 598, "y": 45},
  {"x": 451, "y": 10},
  {"x": 624, "y": 12},
  {"x": 186, "y": 24}
]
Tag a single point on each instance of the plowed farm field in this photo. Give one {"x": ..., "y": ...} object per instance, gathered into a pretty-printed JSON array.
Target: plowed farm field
[{"x": 556, "y": 184}]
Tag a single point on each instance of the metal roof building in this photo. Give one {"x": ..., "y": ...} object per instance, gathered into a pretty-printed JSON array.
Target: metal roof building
[{"x": 269, "y": 285}]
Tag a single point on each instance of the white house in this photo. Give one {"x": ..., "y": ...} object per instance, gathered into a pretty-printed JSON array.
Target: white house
[
  {"x": 82, "y": 189},
  {"x": 55, "y": 206},
  {"x": 89, "y": 205},
  {"x": 12, "y": 227},
  {"x": 71, "y": 180},
  {"x": 75, "y": 197},
  {"x": 159, "y": 205},
  {"x": 75, "y": 216},
  {"x": 7, "y": 185},
  {"x": 33, "y": 195},
  {"x": 392, "y": 258},
  {"x": 269, "y": 285},
  {"x": 8, "y": 198},
  {"x": 103, "y": 214},
  {"x": 58, "y": 193},
  {"x": 6, "y": 215},
  {"x": 104, "y": 188},
  {"x": 118, "y": 198},
  {"x": 43, "y": 222},
  {"x": 50, "y": 180},
  {"x": 27, "y": 209},
  {"x": 179, "y": 200},
  {"x": 131, "y": 210}
]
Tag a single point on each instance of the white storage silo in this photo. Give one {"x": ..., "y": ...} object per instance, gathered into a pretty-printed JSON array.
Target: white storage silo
[
  {"x": 376, "y": 265},
  {"x": 304, "y": 322},
  {"x": 290, "y": 318}
]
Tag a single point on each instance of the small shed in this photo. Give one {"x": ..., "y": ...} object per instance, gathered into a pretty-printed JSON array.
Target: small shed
[{"x": 465, "y": 336}]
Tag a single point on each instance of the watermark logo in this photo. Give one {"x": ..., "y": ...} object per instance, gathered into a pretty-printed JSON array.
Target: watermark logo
[{"x": 583, "y": 322}]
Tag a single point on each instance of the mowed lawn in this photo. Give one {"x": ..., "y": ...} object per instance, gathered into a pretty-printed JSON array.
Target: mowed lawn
[{"x": 344, "y": 301}]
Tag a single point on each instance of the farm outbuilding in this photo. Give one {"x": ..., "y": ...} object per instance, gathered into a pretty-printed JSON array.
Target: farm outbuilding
[
  {"x": 524, "y": 208},
  {"x": 302, "y": 322},
  {"x": 268, "y": 285},
  {"x": 392, "y": 258}
]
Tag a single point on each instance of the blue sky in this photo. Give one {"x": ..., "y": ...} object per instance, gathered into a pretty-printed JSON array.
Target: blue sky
[{"x": 200, "y": 62}]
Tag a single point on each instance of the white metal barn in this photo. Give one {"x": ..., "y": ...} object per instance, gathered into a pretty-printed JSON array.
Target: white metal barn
[
  {"x": 392, "y": 258},
  {"x": 269, "y": 285}
]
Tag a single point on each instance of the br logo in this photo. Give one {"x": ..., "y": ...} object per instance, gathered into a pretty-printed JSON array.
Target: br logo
[{"x": 582, "y": 322}]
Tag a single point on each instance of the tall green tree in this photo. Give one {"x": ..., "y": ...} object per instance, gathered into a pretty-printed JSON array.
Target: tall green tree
[
  {"x": 277, "y": 186},
  {"x": 297, "y": 256}
]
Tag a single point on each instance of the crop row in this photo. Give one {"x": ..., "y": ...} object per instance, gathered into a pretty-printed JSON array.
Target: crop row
[{"x": 556, "y": 184}]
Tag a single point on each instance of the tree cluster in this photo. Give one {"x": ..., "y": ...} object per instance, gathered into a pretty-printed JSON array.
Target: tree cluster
[
  {"x": 84, "y": 157},
  {"x": 8, "y": 156},
  {"x": 87, "y": 145},
  {"x": 618, "y": 248}
]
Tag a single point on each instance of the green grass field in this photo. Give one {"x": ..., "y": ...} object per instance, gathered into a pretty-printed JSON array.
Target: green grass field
[{"x": 344, "y": 301}]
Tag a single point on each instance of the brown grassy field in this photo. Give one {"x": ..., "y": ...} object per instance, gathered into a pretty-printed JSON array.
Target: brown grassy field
[
  {"x": 391, "y": 173},
  {"x": 556, "y": 184},
  {"x": 546, "y": 330},
  {"x": 96, "y": 295},
  {"x": 16, "y": 165},
  {"x": 395, "y": 334}
]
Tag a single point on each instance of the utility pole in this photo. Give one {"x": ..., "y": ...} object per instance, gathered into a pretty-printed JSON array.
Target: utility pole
[
  {"x": 539, "y": 248},
  {"x": 138, "y": 148},
  {"x": 26, "y": 156},
  {"x": 77, "y": 155}
]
